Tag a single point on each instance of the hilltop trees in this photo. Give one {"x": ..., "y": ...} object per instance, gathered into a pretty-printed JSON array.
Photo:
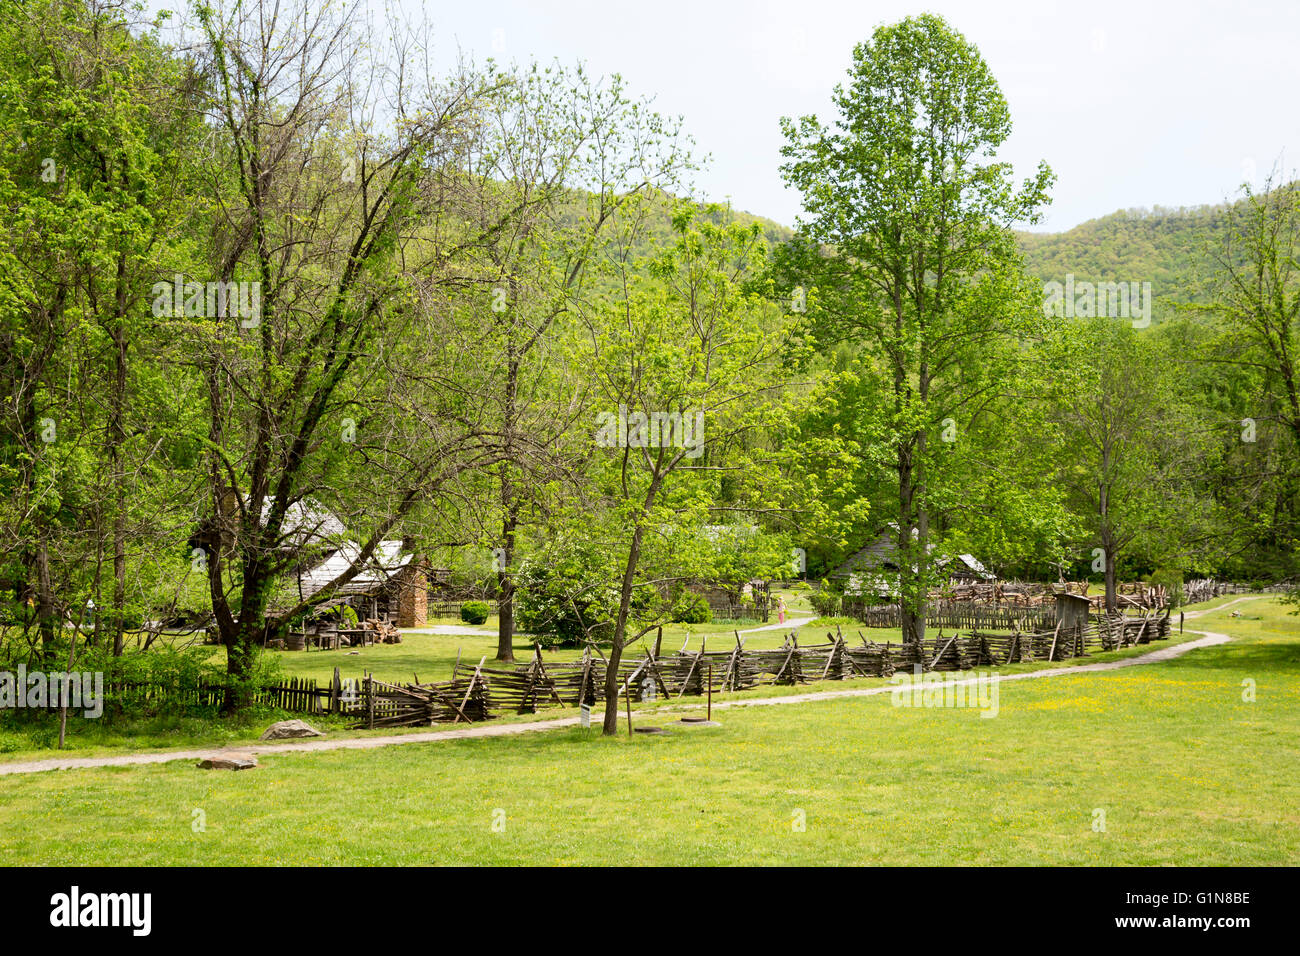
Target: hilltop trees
[{"x": 907, "y": 239}]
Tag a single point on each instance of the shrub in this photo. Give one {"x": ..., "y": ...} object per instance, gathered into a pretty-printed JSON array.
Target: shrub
[
  {"x": 825, "y": 603},
  {"x": 693, "y": 609},
  {"x": 474, "y": 612}
]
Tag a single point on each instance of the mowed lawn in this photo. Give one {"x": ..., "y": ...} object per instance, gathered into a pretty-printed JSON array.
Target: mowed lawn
[{"x": 1185, "y": 770}]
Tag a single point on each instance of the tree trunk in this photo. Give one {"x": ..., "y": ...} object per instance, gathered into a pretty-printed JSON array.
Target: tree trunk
[
  {"x": 624, "y": 606},
  {"x": 620, "y": 631},
  {"x": 46, "y": 612},
  {"x": 506, "y": 584},
  {"x": 505, "y": 560},
  {"x": 1107, "y": 538},
  {"x": 1108, "y": 554},
  {"x": 510, "y": 518},
  {"x": 116, "y": 438},
  {"x": 241, "y": 648},
  {"x": 922, "y": 537},
  {"x": 911, "y": 598}
]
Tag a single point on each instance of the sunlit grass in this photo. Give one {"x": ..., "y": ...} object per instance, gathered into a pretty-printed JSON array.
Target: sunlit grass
[{"x": 1185, "y": 770}]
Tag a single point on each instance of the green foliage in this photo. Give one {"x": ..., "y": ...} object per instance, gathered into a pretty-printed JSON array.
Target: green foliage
[
  {"x": 475, "y": 612},
  {"x": 167, "y": 668},
  {"x": 565, "y": 593},
  {"x": 1172, "y": 580},
  {"x": 931, "y": 318},
  {"x": 835, "y": 621},
  {"x": 825, "y": 602},
  {"x": 693, "y": 609}
]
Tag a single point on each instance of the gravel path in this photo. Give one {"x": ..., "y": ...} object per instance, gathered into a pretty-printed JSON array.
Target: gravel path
[
  {"x": 1208, "y": 639},
  {"x": 450, "y": 629},
  {"x": 788, "y": 625}
]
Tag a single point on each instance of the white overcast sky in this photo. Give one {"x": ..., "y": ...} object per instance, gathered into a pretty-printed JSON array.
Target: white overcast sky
[{"x": 1132, "y": 103}]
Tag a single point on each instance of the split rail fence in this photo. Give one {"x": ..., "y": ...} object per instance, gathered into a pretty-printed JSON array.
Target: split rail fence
[{"x": 482, "y": 691}]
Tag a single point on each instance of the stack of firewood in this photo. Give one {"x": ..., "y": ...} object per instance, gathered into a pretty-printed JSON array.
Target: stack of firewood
[{"x": 385, "y": 633}]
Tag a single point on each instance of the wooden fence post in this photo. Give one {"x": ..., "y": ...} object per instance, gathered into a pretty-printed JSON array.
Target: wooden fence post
[{"x": 370, "y": 700}]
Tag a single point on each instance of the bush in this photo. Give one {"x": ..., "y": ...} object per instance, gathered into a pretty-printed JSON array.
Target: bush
[
  {"x": 825, "y": 603},
  {"x": 474, "y": 612},
  {"x": 693, "y": 609}
]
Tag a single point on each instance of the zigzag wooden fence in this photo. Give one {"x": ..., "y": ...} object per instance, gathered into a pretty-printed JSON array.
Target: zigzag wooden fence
[
  {"x": 958, "y": 616},
  {"x": 481, "y": 692},
  {"x": 1207, "y": 589}
]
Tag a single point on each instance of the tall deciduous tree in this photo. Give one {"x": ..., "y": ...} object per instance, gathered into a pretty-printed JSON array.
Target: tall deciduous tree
[
  {"x": 332, "y": 383},
  {"x": 1255, "y": 288},
  {"x": 907, "y": 238},
  {"x": 1131, "y": 449},
  {"x": 688, "y": 363},
  {"x": 561, "y": 157}
]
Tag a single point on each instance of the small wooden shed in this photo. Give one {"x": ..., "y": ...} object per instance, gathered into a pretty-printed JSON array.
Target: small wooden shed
[{"x": 1072, "y": 610}]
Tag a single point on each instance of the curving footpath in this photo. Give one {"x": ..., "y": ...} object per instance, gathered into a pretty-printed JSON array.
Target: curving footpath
[{"x": 1207, "y": 639}]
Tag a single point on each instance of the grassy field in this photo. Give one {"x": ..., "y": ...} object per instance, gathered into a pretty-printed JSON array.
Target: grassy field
[
  {"x": 428, "y": 656},
  {"x": 1185, "y": 770}
]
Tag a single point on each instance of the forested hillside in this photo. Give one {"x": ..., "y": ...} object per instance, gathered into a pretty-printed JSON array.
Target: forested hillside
[{"x": 1165, "y": 247}]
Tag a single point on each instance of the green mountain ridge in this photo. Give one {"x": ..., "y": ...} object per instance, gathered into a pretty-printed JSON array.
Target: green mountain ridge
[
  {"x": 1161, "y": 245},
  {"x": 1165, "y": 247}
]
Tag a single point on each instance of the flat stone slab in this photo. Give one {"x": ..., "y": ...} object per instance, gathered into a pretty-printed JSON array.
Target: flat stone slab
[
  {"x": 649, "y": 730},
  {"x": 285, "y": 729},
  {"x": 230, "y": 761}
]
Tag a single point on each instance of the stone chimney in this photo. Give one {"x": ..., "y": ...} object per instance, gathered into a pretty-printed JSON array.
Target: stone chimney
[{"x": 413, "y": 597}]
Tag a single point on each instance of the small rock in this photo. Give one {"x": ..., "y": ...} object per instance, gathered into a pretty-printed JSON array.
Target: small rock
[
  {"x": 290, "y": 728},
  {"x": 230, "y": 761}
]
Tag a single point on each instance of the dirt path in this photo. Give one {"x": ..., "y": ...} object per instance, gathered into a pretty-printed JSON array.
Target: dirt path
[
  {"x": 1208, "y": 639},
  {"x": 791, "y": 624},
  {"x": 1210, "y": 610}
]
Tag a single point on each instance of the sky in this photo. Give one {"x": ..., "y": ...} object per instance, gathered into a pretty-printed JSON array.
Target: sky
[{"x": 1132, "y": 104}]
